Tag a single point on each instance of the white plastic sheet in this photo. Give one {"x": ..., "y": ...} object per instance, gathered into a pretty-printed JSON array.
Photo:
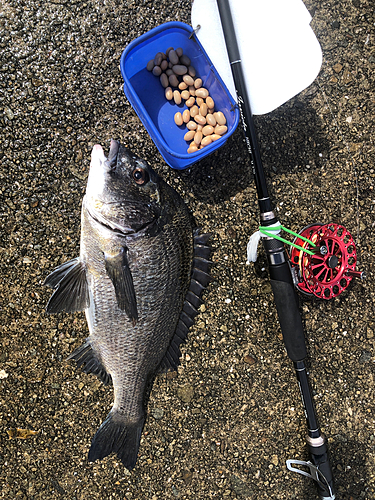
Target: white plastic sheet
[{"x": 279, "y": 51}]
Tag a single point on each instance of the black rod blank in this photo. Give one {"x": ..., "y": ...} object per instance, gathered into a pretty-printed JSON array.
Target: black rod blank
[{"x": 244, "y": 106}]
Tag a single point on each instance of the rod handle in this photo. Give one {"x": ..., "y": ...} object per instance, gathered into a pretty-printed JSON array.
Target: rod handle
[{"x": 287, "y": 307}]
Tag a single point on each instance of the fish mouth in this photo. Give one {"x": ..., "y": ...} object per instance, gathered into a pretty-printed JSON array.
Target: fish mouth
[{"x": 110, "y": 162}]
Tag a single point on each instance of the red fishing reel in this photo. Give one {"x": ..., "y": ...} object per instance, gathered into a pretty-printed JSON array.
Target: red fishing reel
[{"x": 330, "y": 266}]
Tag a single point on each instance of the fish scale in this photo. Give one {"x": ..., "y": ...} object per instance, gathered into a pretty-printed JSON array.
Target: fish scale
[{"x": 139, "y": 277}]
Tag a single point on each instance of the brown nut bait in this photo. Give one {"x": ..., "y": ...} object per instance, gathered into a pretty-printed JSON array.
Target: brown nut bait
[
  {"x": 188, "y": 80},
  {"x": 173, "y": 80},
  {"x": 194, "y": 111},
  {"x": 201, "y": 120},
  {"x": 173, "y": 57},
  {"x": 177, "y": 97},
  {"x": 178, "y": 119},
  {"x": 158, "y": 59},
  {"x": 204, "y": 125},
  {"x": 198, "y": 138},
  {"x": 220, "y": 129},
  {"x": 186, "y": 116},
  {"x": 207, "y": 130},
  {"x": 185, "y": 94},
  {"x": 190, "y": 102},
  {"x": 220, "y": 118},
  {"x": 168, "y": 93},
  {"x": 164, "y": 80},
  {"x": 202, "y": 92},
  {"x": 179, "y": 69},
  {"x": 191, "y": 71},
  {"x": 185, "y": 60},
  {"x": 189, "y": 136},
  {"x": 206, "y": 140},
  {"x": 210, "y": 102},
  {"x": 156, "y": 70},
  {"x": 191, "y": 125},
  {"x": 211, "y": 119},
  {"x": 192, "y": 148}
]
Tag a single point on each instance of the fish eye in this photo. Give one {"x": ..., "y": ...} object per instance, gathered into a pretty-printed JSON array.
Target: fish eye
[{"x": 140, "y": 176}]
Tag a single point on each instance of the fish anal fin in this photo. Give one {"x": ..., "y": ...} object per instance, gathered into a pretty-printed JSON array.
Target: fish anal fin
[
  {"x": 71, "y": 292},
  {"x": 85, "y": 356},
  {"x": 117, "y": 267}
]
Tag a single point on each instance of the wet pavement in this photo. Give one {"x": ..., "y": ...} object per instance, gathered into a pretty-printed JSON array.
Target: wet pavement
[{"x": 225, "y": 425}]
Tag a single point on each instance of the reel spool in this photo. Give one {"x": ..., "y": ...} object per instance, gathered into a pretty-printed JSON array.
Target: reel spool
[{"x": 328, "y": 272}]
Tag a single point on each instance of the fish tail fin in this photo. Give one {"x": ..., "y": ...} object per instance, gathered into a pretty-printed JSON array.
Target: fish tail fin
[{"x": 117, "y": 435}]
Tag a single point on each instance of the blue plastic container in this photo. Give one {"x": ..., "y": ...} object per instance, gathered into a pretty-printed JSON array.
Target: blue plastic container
[{"x": 146, "y": 94}]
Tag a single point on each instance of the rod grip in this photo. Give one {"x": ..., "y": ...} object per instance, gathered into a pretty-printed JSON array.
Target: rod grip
[{"x": 286, "y": 301}]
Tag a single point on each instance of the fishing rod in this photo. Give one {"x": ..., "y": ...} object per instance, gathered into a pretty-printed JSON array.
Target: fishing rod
[{"x": 281, "y": 276}]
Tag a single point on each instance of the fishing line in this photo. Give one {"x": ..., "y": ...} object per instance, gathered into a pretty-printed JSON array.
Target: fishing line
[
  {"x": 273, "y": 231},
  {"x": 269, "y": 231},
  {"x": 342, "y": 137}
]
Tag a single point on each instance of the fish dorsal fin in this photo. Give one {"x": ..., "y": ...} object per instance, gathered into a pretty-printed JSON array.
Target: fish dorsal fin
[
  {"x": 86, "y": 357},
  {"x": 199, "y": 280},
  {"x": 117, "y": 267},
  {"x": 71, "y": 289}
]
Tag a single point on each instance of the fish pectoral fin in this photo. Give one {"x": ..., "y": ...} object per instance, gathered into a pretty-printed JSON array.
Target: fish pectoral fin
[
  {"x": 118, "y": 270},
  {"x": 86, "y": 356},
  {"x": 71, "y": 288}
]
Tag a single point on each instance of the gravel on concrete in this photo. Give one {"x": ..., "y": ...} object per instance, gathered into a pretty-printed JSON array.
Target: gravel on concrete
[{"x": 225, "y": 425}]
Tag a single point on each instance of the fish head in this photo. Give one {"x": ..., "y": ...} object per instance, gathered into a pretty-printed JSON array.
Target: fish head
[{"x": 122, "y": 190}]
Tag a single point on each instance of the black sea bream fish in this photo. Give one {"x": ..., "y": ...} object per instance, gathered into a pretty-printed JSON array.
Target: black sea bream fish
[{"x": 139, "y": 277}]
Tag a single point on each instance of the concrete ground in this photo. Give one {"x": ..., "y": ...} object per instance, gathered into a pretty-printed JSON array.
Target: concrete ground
[{"x": 224, "y": 427}]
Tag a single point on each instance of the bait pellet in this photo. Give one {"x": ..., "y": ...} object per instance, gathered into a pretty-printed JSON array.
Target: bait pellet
[{"x": 178, "y": 77}]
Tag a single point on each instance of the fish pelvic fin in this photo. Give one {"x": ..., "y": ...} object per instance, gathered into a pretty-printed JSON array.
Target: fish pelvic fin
[
  {"x": 200, "y": 278},
  {"x": 86, "y": 358},
  {"x": 117, "y": 267},
  {"x": 71, "y": 291},
  {"x": 117, "y": 435}
]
